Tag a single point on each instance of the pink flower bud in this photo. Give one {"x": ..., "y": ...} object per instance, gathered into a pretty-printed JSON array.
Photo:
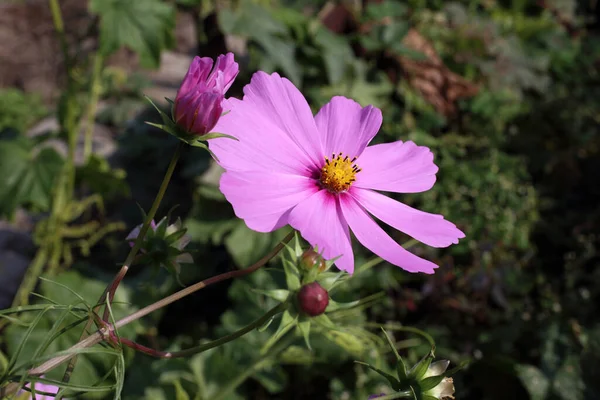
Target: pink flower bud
[
  {"x": 313, "y": 299},
  {"x": 198, "y": 105}
]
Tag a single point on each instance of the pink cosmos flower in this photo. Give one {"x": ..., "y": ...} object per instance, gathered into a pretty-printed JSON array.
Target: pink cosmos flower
[
  {"x": 198, "y": 105},
  {"x": 318, "y": 175}
]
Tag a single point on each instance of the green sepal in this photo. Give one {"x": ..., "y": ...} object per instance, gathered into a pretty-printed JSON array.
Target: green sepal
[
  {"x": 400, "y": 365},
  {"x": 324, "y": 321},
  {"x": 288, "y": 321},
  {"x": 205, "y": 147},
  {"x": 419, "y": 369},
  {"x": 280, "y": 295},
  {"x": 264, "y": 326},
  {"x": 171, "y": 127},
  {"x": 175, "y": 270},
  {"x": 292, "y": 275},
  {"x": 161, "y": 228},
  {"x": 310, "y": 275},
  {"x": 175, "y": 236},
  {"x": 401, "y": 370},
  {"x": 430, "y": 382},
  {"x": 391, "y": 379},
  {"x": 304, "y": 328},
  {"x": 328, "y": 279},
  {"x": 429, "y": 397},
  {"x": 215, "y": 135}
]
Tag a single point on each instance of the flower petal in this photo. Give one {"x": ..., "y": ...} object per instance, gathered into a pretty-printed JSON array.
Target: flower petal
[
  {"x": 431, "y": 229},
  {"x": 224, "y": 73},
  {"x": 436, "y": 368},
  {"x": 375, "y": 239},
  {"x": 278, "y": 99},
  {"x": 197, "y": 73},
  {"x": 261, "y": 144},
  {"x": 347, "y": 127},
  {"x": 401, "y": 167},
  {"x": 321, "y": 223},
  {"x": 263, "y": 199}
]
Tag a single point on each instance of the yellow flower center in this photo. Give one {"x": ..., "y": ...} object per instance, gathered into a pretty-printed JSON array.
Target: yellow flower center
[{"x": 338, "y": 173}]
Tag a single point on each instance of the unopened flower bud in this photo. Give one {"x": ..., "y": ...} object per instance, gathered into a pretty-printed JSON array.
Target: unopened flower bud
[
  {"x": 445, "y": 388},
  {"x": 311, "y": 259},
  {"x": 198, "y": 105},
  {"x": 131, "y": 238},
  {"x": 313, "y": 299}
]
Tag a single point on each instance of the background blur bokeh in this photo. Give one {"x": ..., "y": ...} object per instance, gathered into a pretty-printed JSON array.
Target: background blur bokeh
[{"x": 505, "y": 92}]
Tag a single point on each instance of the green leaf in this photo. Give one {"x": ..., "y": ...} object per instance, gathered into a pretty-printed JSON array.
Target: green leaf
[
  {"x": 273, "y": 379},
  {"x": 534, "y": 380},
  {"x": 144, "y": 26},
  {"x": 391, "y": 379},
  {"x": 337, "y": 54},
  {"x": 258, "y": 25},
  {"x": 386, "y": 9},
  {"x": 100, "y": 177},
  {"x": 29, "y": 175},
  {"x": 304, "y": 328}
]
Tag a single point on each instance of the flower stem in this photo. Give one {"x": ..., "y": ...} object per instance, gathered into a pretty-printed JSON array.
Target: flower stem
[
  {"x": 59, "y": 26},
  {"x": 92, "y": 105},
  {"x": 103, "y": 332},
  {"x": 206, "y": 346},
  {"x": 112, "y": 287},
  {"x": 200, "y": 285}
]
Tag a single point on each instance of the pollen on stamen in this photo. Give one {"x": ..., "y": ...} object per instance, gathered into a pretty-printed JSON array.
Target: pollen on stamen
[{"x": 338, "y": 173}]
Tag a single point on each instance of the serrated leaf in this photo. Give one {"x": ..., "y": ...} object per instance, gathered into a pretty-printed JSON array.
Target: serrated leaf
[
  {"x": 144, "y": 26},
  {"x": 257, "y": 24},
  {"x": 28, "y": 175},
  {"x": 336, "y": 52}
]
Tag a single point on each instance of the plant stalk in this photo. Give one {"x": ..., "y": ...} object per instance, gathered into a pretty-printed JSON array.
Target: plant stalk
[{"x": 103, "y": 333}]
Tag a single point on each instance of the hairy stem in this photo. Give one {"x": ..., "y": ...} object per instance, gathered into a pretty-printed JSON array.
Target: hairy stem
[
  {"x": 105, "y": 332},
  {"x": 112, "y": 287},
  {"x": 92, "y": 105},
  {"x": 207, "y": 346}
]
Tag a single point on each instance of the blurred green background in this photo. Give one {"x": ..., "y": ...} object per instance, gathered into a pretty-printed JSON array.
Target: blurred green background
[{"x": 505, "y": 92}]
